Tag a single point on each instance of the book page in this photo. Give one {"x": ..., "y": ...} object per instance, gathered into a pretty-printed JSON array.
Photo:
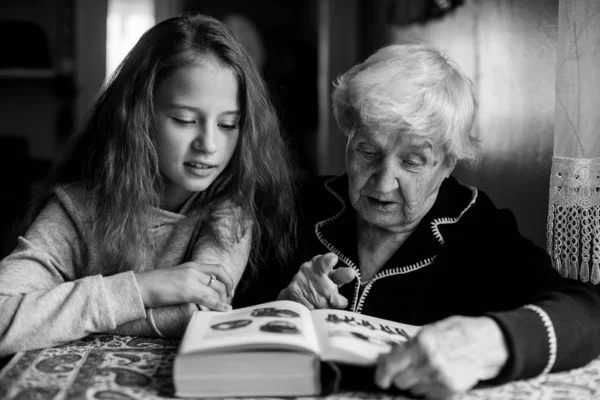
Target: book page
[
  {"x": 283, "y": 325},
  {"x": 358, "y": 339}
]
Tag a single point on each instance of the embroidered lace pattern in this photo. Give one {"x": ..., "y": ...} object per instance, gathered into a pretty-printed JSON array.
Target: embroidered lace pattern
[{"x": 573, "y": 228}]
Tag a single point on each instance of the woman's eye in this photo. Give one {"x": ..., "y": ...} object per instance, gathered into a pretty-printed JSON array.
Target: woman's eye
[
  {"x": 367, "y": 152},
  {"x": 413, "y": 163}
]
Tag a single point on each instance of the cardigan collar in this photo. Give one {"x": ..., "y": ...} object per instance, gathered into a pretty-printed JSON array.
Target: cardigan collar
[{"x": 338, "y": 232}]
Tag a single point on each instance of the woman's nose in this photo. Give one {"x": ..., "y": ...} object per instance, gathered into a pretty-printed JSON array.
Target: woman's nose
[
  {"x": 386, "y": 179},
  {"x": 205, "y": 140}
]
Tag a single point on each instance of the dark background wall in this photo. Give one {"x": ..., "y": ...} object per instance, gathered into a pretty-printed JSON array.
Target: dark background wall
[
  {"x": 507, "y": 47},
  {"x": 287, "y": 32}
]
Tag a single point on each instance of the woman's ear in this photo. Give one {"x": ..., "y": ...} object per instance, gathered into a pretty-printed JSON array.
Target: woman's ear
[
  {"x": 449, "y": 165},
  {"x": 348, "y": 138}
]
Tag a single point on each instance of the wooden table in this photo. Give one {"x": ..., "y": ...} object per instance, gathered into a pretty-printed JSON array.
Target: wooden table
[{"x": 126, "y": 368}]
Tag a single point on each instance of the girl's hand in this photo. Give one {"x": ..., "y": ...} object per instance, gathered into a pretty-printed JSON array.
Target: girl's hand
[{"x": 189, "y": 282}]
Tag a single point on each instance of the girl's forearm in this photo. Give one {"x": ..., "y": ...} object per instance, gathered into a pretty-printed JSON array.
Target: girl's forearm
[{"x": 170, "y": 322}]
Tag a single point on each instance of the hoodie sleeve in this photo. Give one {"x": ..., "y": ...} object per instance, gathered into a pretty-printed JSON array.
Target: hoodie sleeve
[
  {"x": 46, "y": 300},
  {"x": 225, "y": 239}
]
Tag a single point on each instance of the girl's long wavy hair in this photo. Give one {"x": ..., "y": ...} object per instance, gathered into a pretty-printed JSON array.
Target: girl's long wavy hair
[{"x": 114, "y": 159}]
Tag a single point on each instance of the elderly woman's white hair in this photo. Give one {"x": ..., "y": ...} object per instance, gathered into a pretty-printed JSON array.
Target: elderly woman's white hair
[{"x": 410, "y": 87}]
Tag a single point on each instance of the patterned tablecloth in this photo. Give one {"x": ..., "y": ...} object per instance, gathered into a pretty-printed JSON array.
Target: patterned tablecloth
[{"x": 124, "y": 367}]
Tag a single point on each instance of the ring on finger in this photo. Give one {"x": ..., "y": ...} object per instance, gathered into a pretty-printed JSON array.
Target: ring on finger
[{"x": 212, "y": 279}]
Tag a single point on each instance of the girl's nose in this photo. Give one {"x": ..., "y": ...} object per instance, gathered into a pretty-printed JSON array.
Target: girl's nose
[{"x": 205, "y": 141}]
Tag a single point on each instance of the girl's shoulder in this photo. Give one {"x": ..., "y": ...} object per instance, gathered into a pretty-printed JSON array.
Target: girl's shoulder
[
  {"x": 70, "y": 191},
  {"x": 63, "y": 208},
  {"x": 229, "y": 210},
  {"x": 74, "y": 199}
]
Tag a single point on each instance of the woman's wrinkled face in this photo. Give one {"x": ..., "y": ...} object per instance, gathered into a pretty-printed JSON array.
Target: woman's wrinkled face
[
  {"x": 394, "y": 177},
  {"x": 196, "y": 119}
]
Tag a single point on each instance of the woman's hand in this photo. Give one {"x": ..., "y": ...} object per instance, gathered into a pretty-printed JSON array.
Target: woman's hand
[
  {"x": 446, "y": 358},
  {"x": 316, "y": 283},
  {"x": 189, "y": 282}
]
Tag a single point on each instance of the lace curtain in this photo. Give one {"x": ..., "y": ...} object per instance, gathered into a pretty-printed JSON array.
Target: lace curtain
[{"x": 573, "y": 230}]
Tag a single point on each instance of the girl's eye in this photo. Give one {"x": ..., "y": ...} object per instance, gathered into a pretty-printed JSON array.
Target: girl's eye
[
  {"x": 228, "y": 127},
  {"x": 184, "y": 121}
]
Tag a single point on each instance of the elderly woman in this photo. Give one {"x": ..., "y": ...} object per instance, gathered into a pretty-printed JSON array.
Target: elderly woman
[{"x": 399, "y": 238}]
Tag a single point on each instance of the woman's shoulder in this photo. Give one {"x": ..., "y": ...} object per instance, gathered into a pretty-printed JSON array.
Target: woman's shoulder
[
  {"x": 321, "y": 197},
  {"x": 323, "y": 184},
  {"x": 462, "y": 197},
  {"x": 474, "y": 207}
]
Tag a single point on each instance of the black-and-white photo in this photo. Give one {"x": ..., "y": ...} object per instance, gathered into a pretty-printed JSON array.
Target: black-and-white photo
[
  {"x": 280, "y": 327},
  {"x": 274, "y": 312},
  {"x": 230, "y": 325}
]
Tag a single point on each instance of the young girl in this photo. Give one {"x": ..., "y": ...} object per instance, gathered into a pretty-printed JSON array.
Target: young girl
[{"x": 178, "y": 177}]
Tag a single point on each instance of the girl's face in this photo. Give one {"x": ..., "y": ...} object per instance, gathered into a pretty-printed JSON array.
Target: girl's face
[{"x": 196, "y": 119}]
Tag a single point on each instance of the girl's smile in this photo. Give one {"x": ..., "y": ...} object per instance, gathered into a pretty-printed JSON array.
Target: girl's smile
[{"x": 200, "y": 169}]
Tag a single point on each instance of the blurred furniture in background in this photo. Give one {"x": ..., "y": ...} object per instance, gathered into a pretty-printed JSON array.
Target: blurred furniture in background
[
  {"x": 36, "y": 114},
  {"x": 23, "y": 45},
  {"x": 406, "y": 12},
  {"x": 19, "y": 173}
]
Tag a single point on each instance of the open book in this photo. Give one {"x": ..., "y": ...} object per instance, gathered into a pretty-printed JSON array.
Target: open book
[{"x": 276, "y": 349}]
